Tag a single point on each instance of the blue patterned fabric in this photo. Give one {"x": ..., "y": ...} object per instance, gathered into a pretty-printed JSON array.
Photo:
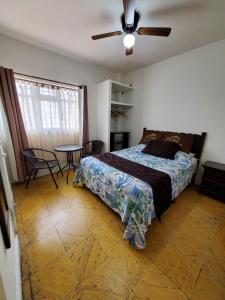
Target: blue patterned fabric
[{"x": 128, "y": 196}]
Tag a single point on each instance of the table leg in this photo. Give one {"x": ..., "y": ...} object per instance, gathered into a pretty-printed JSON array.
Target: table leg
[
  {"x": 67, "y": 176},
  {"x": 67, "y": 163},
  {"x": 76, "y": 165},
  {"x": 70, "y": 163}
]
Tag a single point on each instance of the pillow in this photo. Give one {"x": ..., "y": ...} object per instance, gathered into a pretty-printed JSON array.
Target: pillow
[
  {"x": 184, "y": 140},
  {"x": 162, "y": 149},
  {"x": 151, "y": 135},
  {"x": 183, "y": 155}
]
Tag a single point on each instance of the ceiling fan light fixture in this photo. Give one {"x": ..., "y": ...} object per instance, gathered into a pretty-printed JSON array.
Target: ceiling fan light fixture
[{"x": 128, "y": 40}]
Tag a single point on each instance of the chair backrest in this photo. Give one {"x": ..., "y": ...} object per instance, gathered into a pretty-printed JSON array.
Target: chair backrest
[
  {"x": 29, "y": 154},
  {"x": 97, "y": 146}
]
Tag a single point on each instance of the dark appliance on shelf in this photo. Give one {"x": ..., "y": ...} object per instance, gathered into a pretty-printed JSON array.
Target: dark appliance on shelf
[{"x": 119, "y": 140}]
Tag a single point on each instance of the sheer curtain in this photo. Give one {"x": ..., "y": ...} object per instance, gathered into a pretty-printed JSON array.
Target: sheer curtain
[{"x": 51, "y": 114}]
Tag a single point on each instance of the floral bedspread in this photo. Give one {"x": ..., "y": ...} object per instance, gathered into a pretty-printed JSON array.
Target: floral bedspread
[{"x": 128, "y": 196}]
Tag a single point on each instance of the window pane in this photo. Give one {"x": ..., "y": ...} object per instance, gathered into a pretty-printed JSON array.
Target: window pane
[
  {"x": 44, "y": 107},
  {"x": 50, "y": 114},
  {"x": 47, "y": 91},
  {"x": 28, "y": 112},
  {"x": 69, "y": 115}
]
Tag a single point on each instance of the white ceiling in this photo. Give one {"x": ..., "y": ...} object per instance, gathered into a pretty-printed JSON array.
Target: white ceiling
[{"x": 66, "y": 27}]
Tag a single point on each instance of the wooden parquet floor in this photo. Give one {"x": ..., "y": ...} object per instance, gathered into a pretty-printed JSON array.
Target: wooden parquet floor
[{"x": 72, "y": 248}]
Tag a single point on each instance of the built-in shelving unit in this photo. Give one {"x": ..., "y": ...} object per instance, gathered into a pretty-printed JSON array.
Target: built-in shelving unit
[
  {"x": 113, "y": 107},
  {"x": 120, "y": 106},
  {"x": 118, "y": 87}
]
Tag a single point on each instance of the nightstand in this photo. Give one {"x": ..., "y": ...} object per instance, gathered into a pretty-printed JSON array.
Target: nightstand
[{"x": 213, "y": 180}]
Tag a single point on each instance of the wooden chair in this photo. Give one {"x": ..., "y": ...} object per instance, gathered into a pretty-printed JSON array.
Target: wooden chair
[
  {"x": 38, "y": 163},
  {"x": 92, "y": 148}
]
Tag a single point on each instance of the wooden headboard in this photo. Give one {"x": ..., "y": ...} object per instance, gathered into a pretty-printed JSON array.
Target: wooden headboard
[{"x": 198, "y": 144}]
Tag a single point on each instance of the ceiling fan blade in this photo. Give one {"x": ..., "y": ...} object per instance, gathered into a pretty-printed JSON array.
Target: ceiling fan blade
[
  {"x": 105, "y": 35},
  {"x": 129, "y": 51},
  {"x": 129, "y": 10},
  {"x": 158, "y": 31}
]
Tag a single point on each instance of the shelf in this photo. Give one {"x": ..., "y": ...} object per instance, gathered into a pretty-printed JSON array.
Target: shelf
[
  {"x": 120, "y": 132},
  {"x": 120, "y": 87},
  {"x": 120, "y": 105}
]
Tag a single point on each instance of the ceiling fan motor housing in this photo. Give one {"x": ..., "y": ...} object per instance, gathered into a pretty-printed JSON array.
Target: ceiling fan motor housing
[{"x": 130, "y": 28}]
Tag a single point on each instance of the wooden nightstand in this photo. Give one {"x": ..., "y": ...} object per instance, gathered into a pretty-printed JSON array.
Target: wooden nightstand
[{"x": 213, "y": 180}]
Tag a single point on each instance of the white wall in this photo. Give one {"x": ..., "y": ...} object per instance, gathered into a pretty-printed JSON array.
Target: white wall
[
  {"x": 32, "y": 60},
  {"x": 185, "y": 93}
]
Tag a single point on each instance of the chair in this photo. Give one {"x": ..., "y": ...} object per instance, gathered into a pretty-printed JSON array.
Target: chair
[
  {"x": 38, "y": 163},
  {"x": 92, "y": 148}
]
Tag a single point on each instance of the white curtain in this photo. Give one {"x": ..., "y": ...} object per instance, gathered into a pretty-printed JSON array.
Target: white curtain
[{"x": 51, "y": 114}]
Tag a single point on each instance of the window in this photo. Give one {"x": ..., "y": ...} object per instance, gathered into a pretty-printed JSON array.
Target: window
[{"x": 51, "y": 114}]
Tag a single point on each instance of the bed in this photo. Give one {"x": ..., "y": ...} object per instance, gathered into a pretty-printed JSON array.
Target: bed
[{"x": 131, "y": 198}]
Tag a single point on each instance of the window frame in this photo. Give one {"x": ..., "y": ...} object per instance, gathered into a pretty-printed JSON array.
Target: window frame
[{"x": 49, "y": 98}]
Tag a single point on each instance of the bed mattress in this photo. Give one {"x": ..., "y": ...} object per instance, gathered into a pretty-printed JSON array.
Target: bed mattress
[{"x": 129, "y": 197}]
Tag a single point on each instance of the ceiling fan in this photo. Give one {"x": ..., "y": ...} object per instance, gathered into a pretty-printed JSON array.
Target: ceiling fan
[{"x": 129, "y": 20}]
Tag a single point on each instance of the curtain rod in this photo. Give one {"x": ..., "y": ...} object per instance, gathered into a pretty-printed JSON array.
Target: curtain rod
[{"x": 50, "y": 80}]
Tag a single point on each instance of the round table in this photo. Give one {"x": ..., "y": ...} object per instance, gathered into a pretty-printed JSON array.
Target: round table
[{"x": 69, "y": 149}]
